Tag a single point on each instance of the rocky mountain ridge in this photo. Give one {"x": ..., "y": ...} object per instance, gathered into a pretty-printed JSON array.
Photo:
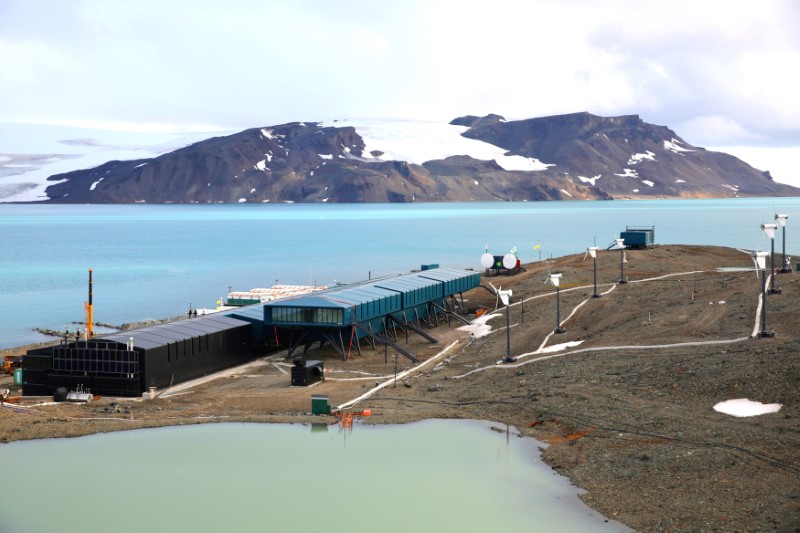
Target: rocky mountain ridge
[{"x": 574, "y": 156}]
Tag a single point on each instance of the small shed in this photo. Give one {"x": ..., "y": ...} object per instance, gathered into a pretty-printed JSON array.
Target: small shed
[
  {"x": 638, "y": 237},
  {"x": 307, "y": 372}
]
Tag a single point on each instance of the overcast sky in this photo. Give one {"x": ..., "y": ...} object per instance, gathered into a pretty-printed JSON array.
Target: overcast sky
[{"x": 718, "y": 72}]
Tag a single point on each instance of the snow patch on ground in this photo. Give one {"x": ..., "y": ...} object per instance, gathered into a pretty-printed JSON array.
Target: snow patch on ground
[
  {"x": 628, "y": 173},
  {"x": 675, "y": 146},
  {"x": 93, "y": 185},
  {"x": 567, "y": 193},
  {"x": 562, "y": 346},
  {"x": 479, "y": 328},
  {"x": 418, "y": 142},
  {"x": 591, "y": 181},
  {"x": 742, "y": 407},
  {"x": 262, "y": 165},
  {"x": 680, "y": 181},
  {"x": 638, "y": 158},
  {"x": 648, "y": 183},
  {"x": 734, "y": 188}
]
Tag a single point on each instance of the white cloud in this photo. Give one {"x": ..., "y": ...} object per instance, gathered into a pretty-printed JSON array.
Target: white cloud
[
  {"x": 722, "y": 68},
  {"x": 714, "y": 129}
]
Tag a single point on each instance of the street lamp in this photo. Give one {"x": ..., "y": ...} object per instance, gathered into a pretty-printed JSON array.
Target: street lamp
[
  {"x": 769, "y": 229},
  {"x": 505, "y": 298},
  {"x": 760, "y": 259},
  {"x": 555, "y": 279},
  {"x": 593, "y": 252},
  {"x": 621, "y": 244},
  {"x": 782, "y": 218}
]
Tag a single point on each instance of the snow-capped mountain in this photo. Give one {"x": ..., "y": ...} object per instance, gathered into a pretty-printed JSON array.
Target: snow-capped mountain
[{"x": 575, "y": 156}]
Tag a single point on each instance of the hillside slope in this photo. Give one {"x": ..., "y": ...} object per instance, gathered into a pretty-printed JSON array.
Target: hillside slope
[{"x": 576, "y": 156}]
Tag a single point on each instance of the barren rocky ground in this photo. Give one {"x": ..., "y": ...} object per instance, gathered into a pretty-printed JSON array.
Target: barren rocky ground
[{"x": 628, "y": 413}]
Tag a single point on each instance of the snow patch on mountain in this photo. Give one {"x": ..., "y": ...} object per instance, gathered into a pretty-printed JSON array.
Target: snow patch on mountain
[
  {"x": 591, "y": 181},
  {"x": 419, "y": 142},
  {"x": 638, "y": 158},
  {"x": 628, "y": 173},
  {"x": 675, "y": 146}
]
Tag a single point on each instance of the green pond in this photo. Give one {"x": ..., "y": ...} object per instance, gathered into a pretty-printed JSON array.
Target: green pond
[{"x": 435, "y": 475}]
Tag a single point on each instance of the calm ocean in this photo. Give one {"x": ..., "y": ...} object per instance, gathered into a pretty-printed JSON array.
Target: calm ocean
[{"x": 153, "y": 261}]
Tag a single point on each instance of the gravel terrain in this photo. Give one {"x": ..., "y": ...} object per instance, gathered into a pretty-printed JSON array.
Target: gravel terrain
[{"x": 626, "y": 405}]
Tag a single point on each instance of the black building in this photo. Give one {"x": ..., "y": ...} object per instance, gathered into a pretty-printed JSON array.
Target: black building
[{"x": 127, "y": 363}]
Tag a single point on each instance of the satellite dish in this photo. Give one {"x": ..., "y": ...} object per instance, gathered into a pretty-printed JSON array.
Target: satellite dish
[
  {"x": 487, "y": 260},
  {"x": 509, "y": 261}
]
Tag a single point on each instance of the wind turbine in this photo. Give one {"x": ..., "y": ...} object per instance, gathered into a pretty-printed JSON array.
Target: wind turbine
[
  {"x": 760, "y": 262},
  {"x": 769, "y": 229},
  {"x": 621, "y": 244},
  {"x": 505, "y": 297},
  {"x": 592, "y": 250},
  {"x": 555, "y": 279},
  {"x": 782, "y": 218}
]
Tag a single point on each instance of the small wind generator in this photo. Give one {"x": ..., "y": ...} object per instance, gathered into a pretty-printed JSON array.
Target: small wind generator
[
  {"x": 782, "y": 218},
  {"x": 760, "y": 262},
  {"x": 769, "y": 229},
  {"x": 505, "y": 297},
  {"x": 592, "y": 250},
  {"x": 621, "y": 244},
  {"x": 555, "y": 279}
]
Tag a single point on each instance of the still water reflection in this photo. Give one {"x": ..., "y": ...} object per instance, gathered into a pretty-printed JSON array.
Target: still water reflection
[{"x": 436, "y": 475}]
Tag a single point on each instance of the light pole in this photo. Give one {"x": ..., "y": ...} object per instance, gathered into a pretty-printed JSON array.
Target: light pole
[
  {"x": 760, "y": 259},
  {"x": 621, "y": 244},
  {"x": 593, "y": 252},
  {"x": 555, "y": 279},
  {"x": 769, "y": 229},
  {"x": 782, "y": 218},
  {"x": 505, "y": 298}
]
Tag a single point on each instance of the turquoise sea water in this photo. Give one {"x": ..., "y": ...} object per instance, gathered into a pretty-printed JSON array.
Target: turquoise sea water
[
  {"x": 153, "y": 261},
  {"x": 436, "y": 475}
]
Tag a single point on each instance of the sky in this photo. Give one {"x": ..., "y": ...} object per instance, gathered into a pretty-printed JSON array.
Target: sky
[{"x": 719, "y": 73}]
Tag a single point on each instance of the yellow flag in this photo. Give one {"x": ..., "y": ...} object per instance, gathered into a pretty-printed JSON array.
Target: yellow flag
[{"x": 537, "y": 246}]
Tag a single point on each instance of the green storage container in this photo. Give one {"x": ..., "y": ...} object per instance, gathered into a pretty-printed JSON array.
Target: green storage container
[
  {"x": 17, "y": 376},
  {"x": 320, "y": 406}
]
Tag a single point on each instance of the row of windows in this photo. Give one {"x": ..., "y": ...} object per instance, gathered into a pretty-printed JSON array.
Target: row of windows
[
  {"x": 106, "y": 361},
  {"x": 319, "y": 315},
  {"x": 106, "y": 367}
]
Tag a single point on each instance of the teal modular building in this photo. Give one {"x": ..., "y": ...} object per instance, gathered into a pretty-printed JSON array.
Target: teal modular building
[
  {"x": 127, "y": 363},
  {"x": 373, "y": 311}
]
